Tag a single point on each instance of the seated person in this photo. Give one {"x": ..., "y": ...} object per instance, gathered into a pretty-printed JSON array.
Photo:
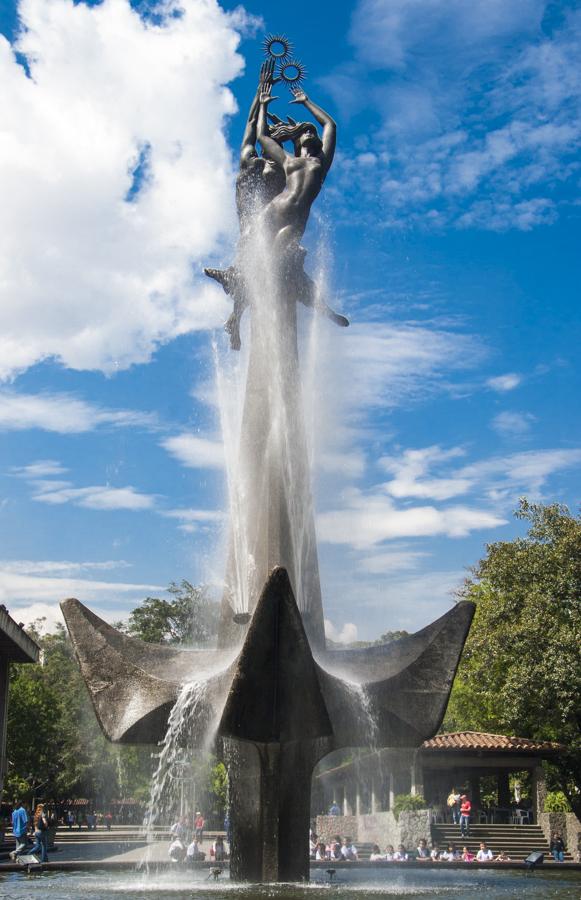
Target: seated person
[
  {"x": 422, "y": 850},
  {"x": 389, "y": 853},
  {"x": 435, "y": 853},
  {"x": 336, "y": 847},
  {"x": 502, "y": 857},
  {"x": 401, "y": 854},
  {"x": 349, "y": 850},
  {"x": 194, "y": 852},
  {"x": 177, "y": 851},
  {"x": 376, "y": 855},
  {"x": 484, "y": 854},
  {"x": 467, "y": 856},
  {"x": 322, "y": 852},
  {"x": 558, "y": 847},
  {"x": 451, "y": 854}
]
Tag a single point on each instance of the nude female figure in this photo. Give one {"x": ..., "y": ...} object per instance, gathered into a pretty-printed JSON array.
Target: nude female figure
[
  {"x": 261, "y": 179},
  {"x": 286, "y": 215}
]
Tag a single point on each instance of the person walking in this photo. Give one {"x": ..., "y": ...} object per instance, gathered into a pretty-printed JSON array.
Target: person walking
[
  {"x": 465, "y": 810},
  {"x": 19, "y": 828},
  {"x": 40, "y": 834}
]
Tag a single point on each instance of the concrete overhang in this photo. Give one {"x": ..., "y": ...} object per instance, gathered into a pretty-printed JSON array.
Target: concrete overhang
[{"x": 15, "y": 644}]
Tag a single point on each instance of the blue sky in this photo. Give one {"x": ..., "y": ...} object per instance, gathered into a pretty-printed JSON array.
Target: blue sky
[{"x": 448, "y": 233}]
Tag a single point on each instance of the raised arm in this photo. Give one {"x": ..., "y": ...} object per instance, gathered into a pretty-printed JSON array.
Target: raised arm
[
  {"x": 271, "y": 149},
  {"x": 248, "y": 147},
  {"x": 324, "y": 119}
]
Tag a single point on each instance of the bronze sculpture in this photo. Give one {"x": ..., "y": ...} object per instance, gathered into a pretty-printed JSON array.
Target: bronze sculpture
[{"x": 278, "y": 188}]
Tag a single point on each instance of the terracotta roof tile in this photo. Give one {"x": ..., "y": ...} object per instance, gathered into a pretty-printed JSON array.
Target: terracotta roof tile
[{"x": 476, "y": 740}]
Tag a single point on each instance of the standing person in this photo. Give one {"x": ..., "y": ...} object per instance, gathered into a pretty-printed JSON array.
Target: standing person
[
  {"x": 465, "y": 810},
  {"x": 40, "y": 833},
  {"x": 199, "y": 827},
  {"x": 334, "y": 809},
  {"x": 19, "y": 828},
  {"x": 453, "y": 802},
  {"x": 108, "y": 821}
]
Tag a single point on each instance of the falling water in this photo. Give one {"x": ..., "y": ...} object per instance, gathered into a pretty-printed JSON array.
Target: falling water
[
  {"x": 267, "y": 455},
  {"x": 190, "y": 718}
]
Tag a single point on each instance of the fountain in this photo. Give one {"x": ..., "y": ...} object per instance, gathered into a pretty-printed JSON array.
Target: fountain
[{"x": 272, "y": 696}]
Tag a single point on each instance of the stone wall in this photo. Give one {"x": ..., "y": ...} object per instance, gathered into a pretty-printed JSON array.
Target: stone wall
[
  {"x": 569, "y": 826},
  {"x": 379, "y": 828},
  {"x": 346, "y": 826}
]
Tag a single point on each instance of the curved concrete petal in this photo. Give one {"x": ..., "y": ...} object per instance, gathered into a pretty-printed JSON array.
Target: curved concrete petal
[{"x": 133, "y": 685}]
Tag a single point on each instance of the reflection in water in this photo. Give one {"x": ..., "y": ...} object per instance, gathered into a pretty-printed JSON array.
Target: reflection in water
[{"x": 350, "y": 884}]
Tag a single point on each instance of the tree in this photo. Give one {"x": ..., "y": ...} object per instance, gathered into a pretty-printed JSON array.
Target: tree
[
  {"x": 55, "y": 747},
  {"x": 190, "y": 616},
  {"x": 521, "y": 668}
]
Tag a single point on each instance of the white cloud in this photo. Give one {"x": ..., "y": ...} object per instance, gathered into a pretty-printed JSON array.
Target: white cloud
[
  {"x": 192, "y": 520},
  {"x": 42, "y": 468},
  {"x": 391, "y": 560},
  {"x": 410, "y": 468},
  {"x": 59, "y": 567},
  {"x": 513, "y": 424},
  {"x": 346, "y": 635},
  {"x": 455, "y": 146},
  {"x": 348, "y": 464},
  {"x": 503, "y": 383},
  {"x": 99, "y": 497},
  {"x": 16, "y": 587},
  {"x": 517, "y": 472},
  {"x": 116, "y": 179},
  {"x": 195, "y": 452},
  {"x": 367, "y": 519},
  {"x": 63, "y": 413},
  {"x": 391, "y": 32},
  {"x": 384, "y": 364}
]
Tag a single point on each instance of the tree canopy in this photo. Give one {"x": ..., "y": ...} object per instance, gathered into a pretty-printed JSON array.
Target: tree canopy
[
  {"x": 190, "y": 616},
  {"x": 520, "y": 673},
  {"x": 55, "y": 746}
]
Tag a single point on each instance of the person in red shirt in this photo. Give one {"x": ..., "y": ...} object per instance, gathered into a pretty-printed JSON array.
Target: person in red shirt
[
  {"x": 465, "y": 810},
  {"x": 199, "y": 827}
]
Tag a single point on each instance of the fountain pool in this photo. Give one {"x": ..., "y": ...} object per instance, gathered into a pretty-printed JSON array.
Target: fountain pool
[{"x": 495, "y": 884}]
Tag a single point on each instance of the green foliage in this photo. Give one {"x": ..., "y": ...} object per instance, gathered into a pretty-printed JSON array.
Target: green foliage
[
  {"x": 520, "y": 673},
  {"x": 190, "y": 616},
  {"x": 555, "y": 801},
  {"x": 55, "y": 746},
  {"x": 389, "y": 636},
  {"x": 407, "y": 803}
]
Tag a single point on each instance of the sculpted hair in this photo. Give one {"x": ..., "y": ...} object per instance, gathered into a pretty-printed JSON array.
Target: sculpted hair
[{"x": 292, "y": 132}]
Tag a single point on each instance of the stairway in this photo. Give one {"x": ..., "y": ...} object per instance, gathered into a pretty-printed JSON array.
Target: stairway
[{"x": 517, "y": 840}]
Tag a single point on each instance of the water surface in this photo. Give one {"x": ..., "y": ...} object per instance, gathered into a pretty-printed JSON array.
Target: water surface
[{"x": 349, "y": 885}]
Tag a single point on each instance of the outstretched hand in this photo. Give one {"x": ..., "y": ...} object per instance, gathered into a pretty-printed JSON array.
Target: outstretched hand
[
  {"x": 267, "y": 74},
  {"x": 265, "y": 96},
  {"x": 299, "y": 95}
]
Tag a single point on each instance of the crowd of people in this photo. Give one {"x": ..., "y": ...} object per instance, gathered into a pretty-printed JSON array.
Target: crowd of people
[{"x": 187, "y": 837}]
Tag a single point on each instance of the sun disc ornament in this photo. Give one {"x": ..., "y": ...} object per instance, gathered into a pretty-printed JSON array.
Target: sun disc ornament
[
  {"x": 278, "y": 47},
  {"x": 292, "y": 72}
]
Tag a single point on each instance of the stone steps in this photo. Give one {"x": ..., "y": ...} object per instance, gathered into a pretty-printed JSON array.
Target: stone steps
[{"x": 518, "y": 841}]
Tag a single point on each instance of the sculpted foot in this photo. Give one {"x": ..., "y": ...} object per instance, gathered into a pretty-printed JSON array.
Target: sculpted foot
[
  {"x": 224, "y": 277},
  {"x": 232, "y": 327},
  {"x": 337, "y": 319}
]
